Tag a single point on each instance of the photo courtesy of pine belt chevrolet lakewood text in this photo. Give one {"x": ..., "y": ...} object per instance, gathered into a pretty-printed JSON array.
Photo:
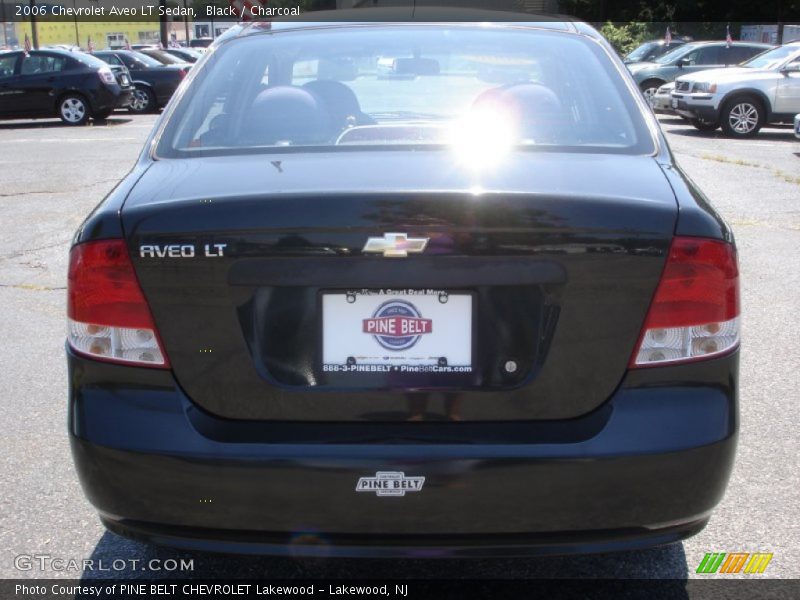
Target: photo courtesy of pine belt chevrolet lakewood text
[{"x": 392, "y": 289}]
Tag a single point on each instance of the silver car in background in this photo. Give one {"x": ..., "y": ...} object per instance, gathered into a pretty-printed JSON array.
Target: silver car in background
[
  {"x": 661, "y": 100},
  {"x": 765, "y": 89},
  {"x": 690, "y": 58}
]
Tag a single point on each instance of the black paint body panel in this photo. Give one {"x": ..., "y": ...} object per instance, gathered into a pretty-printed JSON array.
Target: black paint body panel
[
  {"x": 563, "y": 270},
  {"x": 37, "y": 95},
  {"x": 647, "y": 467}
]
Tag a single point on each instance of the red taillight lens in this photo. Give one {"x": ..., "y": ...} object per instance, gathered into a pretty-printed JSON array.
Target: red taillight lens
[
  {"x": 108, "y": 316},
  {"x": 695, "y": 311}
]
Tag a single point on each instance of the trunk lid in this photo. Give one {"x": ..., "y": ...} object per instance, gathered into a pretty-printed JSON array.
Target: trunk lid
[{"x": 560, "y": 253}]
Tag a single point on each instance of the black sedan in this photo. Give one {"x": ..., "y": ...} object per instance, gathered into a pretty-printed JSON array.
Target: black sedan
[
  {"x": 57, "y": 83},
  {"x": 474, "y": 308},
  {"x": 185, "y": 54},
  {"x": 165, "y": 57},
  {"x": 154, "y": 81}
]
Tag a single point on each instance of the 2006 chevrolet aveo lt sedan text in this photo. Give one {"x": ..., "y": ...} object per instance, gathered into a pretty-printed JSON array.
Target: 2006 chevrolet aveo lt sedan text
[{"x": 419, "y": 289}]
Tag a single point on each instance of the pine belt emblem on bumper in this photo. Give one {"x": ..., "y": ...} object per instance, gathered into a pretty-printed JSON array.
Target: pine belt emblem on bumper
[
  {"x": 395, "y": 245},
  {"x": 390, "y": 483}
]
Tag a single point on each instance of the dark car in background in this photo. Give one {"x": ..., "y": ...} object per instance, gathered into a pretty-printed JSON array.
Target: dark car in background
[
  {"x": 689, "y": 58},
  {"x": 651, "y": 50},
  {"x": 185, "y": 54},
  {"x": 201, "y": 44},
  {"x": 73, "y": 86},
  {"x": 476, "y": 309},
  {"x": 154, "y": 82},
  {"x": 164, "y": 57}
]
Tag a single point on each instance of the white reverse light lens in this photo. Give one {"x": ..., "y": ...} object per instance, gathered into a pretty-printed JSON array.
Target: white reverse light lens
[
  {"x": 119, "y": 343},
  {"x": 681, "y": 343}
]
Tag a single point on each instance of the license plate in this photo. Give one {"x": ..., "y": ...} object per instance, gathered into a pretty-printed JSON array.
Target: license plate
[
  {"x": 397, "y": 331},
  {"x": 124, "y": 80},
  {"x": 674, "y": 103}
]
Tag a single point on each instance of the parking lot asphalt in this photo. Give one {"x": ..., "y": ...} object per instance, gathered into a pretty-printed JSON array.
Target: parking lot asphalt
[{"x": 50, "y": 178}]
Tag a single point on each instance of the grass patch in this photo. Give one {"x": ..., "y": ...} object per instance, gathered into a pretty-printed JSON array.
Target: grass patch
[{"x": 787, "y": 177}]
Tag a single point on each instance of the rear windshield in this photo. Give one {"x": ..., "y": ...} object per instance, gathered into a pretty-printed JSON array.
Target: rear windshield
[
  {"x": 89, "y": 60},
  {"x": 163, "y": 57},
  {"x": 642, "y": 51},
  {"x": 390, "y": 86},
  {"x": 143, "y": 58}
]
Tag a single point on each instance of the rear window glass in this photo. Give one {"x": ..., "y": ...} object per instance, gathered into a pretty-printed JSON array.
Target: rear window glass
[
  {"x": 162, "y": 57},
  {"x": 135, "y": 59},
  {"x": 384, "y": 86},
  {"x": 674, "y": 54},
  {"x": 89, "y": 60},
  {"x": 643, "y": 52}
]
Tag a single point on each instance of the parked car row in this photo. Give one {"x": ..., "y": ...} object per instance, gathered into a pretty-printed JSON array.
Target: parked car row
[
  {"x": 690, "y": 58},
  {"x": 155, "y": 80},
  {"x": 77, "y": 86},
  {"x": 71, "y": 85},
  {"x": 738, "y": 87}
]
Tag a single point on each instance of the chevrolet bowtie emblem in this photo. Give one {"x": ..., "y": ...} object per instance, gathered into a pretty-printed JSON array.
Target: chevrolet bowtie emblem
[{"x": 394, "y": 245}]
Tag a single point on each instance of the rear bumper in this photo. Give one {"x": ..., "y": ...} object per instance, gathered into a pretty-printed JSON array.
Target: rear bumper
[
  {"x": 645, "y": 469},
  {"x": 106, "y": 98},
  {"x": 125, "y": 98}
]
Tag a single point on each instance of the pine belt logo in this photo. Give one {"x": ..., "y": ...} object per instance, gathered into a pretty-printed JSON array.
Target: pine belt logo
[
  {"x": 397, "y": 325},
  {"x": 390, "y": 483},
  {"x": 734, "y": 562}
]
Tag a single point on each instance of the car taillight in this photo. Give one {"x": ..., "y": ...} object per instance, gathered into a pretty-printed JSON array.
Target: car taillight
[
  {"x": 695, "y": 311},
  {"x": 108, "y": 316},
  {"x": 184, "y": 72},
  {"x": 106, "y": 76}
]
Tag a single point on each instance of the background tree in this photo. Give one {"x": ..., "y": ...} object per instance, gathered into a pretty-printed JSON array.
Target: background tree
[{"x": 626, "y": 36}]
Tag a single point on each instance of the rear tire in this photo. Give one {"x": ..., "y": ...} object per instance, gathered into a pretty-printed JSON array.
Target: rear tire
[
  {"x": 649, "y": 88},
  {"x": 703, "y": 125},
  {"x": 742, "y": 117},
  {"x": 73, "y": 109},
  {"x": 143, "y": 101}
]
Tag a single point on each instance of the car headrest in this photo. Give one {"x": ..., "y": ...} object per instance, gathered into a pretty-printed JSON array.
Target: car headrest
[
  {"x": 534, "y": 108},
  {"x": 339, "y": 99},
  {"x": 288, "y": 114}
]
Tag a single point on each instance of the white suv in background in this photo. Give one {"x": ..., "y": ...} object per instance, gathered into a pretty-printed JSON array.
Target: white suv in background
[{"x": 765, "y": 89}]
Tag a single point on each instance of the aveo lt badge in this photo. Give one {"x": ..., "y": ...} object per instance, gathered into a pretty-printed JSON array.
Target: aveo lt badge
[
  {"x": 181, "y": 250},
  {"x": 390, "y": 483},
  {"x": 395, "y": 245}
]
